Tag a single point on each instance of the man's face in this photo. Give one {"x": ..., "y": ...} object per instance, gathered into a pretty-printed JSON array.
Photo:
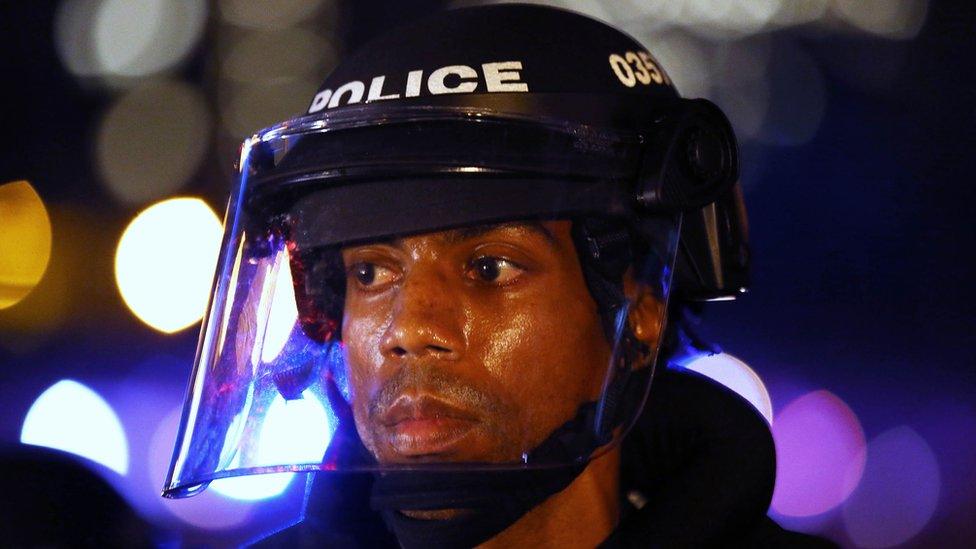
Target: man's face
[{"x": 471, "y": 344}]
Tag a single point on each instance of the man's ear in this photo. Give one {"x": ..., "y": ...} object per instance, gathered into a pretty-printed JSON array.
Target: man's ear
[{"x": 646, "y": 315}]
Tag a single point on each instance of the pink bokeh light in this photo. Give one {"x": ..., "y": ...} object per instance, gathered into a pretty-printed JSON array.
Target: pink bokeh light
[{"x": 820, "y": 454}]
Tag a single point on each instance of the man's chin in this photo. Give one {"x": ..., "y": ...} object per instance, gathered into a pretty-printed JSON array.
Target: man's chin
[{"x": 436, "y": 514}]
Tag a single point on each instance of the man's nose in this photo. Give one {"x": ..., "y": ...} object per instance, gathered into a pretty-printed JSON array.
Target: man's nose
[{"x": 427, "y": 320}]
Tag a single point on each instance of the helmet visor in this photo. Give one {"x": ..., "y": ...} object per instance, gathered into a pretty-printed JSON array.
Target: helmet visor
[{"x": 434, "y": 289}]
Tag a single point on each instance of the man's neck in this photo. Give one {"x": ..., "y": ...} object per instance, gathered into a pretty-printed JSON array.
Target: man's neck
[{"x": 582, "y": 515}]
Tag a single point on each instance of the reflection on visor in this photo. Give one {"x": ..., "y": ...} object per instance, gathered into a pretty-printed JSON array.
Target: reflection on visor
[
  {"x": 293, "y": 431},
  {"x": 288, "y": 379}
]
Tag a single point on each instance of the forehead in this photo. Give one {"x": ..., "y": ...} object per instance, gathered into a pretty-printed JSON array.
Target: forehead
[
  {"x": 554, "y": 234},
  {"x": 547, "y": 230}
]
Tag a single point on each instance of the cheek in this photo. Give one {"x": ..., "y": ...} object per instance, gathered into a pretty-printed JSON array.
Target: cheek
[
  {"x": 549, "y": 355},
  {"x": 361, "y": 335}
]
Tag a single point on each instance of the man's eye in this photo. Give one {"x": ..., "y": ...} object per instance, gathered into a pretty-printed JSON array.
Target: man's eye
[
  {"x": 371, "y": 274},
  {"x": 494, "y": 269}
]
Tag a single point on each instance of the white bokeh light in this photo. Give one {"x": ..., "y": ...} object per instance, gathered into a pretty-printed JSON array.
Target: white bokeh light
[
  {"x": 165, "y": 262},
  {"x": 723, "y": 20},
  {"x": 253, "y": 487},
  {"x": 142, "y": 37},
  {"x": 70, "y": 417},
  {"x": 294, "y": 432},
  {"x": 800, "y": 12},
  {"x": 650, "y": 13},
  {"x": 73, "y": 24},
  {"x": 127, "y": 38},
  {"x": 737, "y": 376},
  {"x": 684, "y": 58}
]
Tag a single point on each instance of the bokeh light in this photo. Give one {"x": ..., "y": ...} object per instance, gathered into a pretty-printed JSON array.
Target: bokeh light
[
  {"x": 729, "y": 18},
  {"x": 738, "y": 376},
  {"x": 142, "y": 393},
  {"x": 617, "y": 10},
  {"x": 741, "y": 84},
  {"x": 71, "y": 417},
  {"x": 799, "y": 12},
  {"x": 152, "y": 140},
  {"x": 731, "y": 51},
  {"x": 284, "y": 310},
  {"x": 127, "y": 39},
  {"x": 74, "y": 291},
  {"x": 25, "y": 241},
  {"x": 898, "y": 493},
  {"x": 31, "y": 324},
  {"x": 724, "y": 20},
  {"x": 685, "y": 59},
  {"x": 270, "y": 55},
  {"x": 261, "y": 15},
  {"x": 294, "y": 432},
  {"x": 73, "y": 25},
  {"x": 819, "y": 454},
  {"x": 165, "y": 262},
  {"x": 207, "y": 509},
  {"x": 896, "y": 19},
  {"x": 141, "y": 37},
  {"x": 253, "y": 487},
  {"x": 247, "y": 109},
  {"x": 797, "y": 99},
  {"x": 231, "y": 293}
]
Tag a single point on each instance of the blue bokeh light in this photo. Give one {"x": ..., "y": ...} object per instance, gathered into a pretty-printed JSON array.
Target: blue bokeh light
[
  {"x": 898, "y": 493},
  {"x": 737, "y": 376},
  {"x": 71, "y": 417},
  {"x": 294, "y": 432}
]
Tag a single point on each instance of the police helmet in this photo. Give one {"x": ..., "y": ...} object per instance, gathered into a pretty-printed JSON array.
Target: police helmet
[{"x": 461, "y": 123}]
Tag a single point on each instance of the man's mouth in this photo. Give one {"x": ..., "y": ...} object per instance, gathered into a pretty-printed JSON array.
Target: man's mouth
[{"x": 423, "y": 425}]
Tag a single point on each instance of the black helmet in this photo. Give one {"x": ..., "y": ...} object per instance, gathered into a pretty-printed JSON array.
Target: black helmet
[{"x": 461, "y": 124}]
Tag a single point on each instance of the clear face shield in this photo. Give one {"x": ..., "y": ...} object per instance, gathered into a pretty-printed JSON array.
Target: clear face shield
[{"x": 434, "y": 289}]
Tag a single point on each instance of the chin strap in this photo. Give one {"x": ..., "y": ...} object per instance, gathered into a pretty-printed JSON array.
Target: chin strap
[
  {"x": 492, "y": 500},
  {"x": 489, "y": 501}
]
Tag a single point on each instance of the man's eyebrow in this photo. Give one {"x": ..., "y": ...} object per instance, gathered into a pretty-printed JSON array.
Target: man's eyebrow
[{"x": 456, "y": 236}]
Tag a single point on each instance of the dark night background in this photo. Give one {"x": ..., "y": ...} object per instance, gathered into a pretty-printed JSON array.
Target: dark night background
[{"x": 863, "y": 234}]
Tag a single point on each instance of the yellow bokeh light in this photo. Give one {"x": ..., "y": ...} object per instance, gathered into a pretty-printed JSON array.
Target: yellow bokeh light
[
  {"x": 25, "y": 241},
  {"x": 165, "y": 262}
]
